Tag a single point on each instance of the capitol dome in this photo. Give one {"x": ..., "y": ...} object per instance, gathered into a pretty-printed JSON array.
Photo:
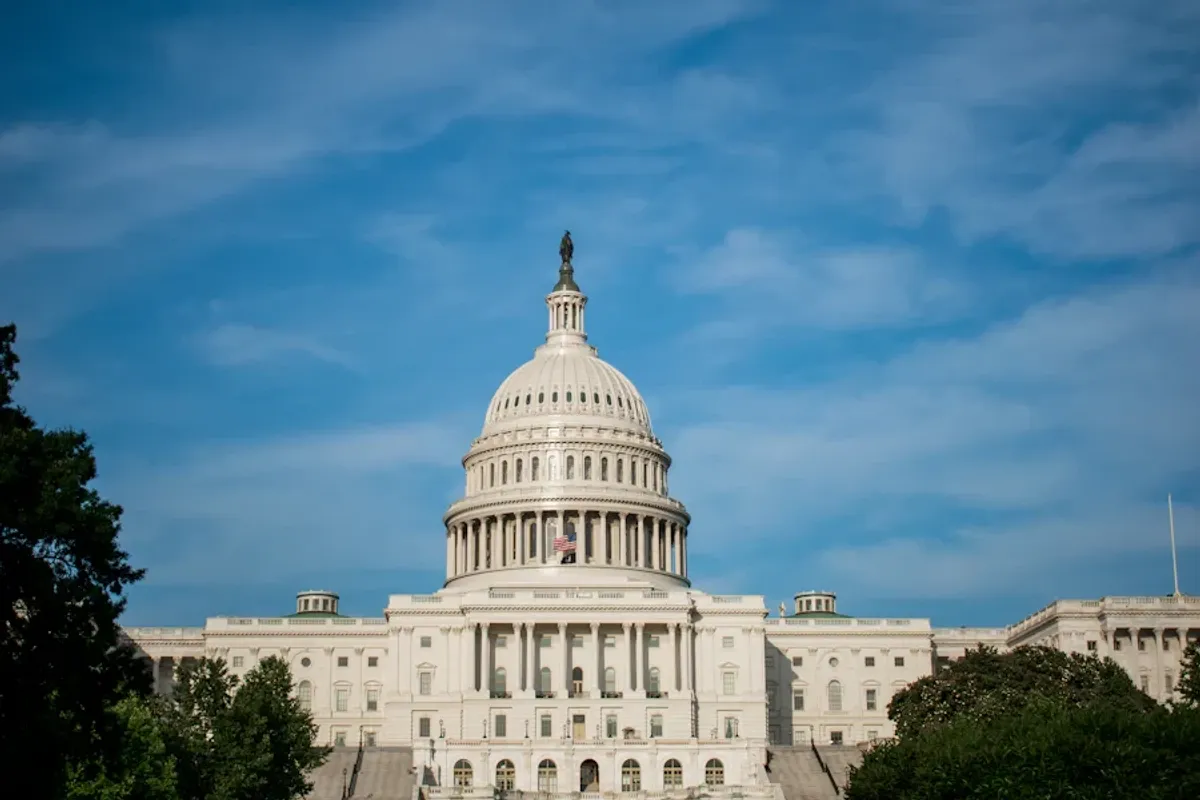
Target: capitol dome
[{"x": 566, "y": 473}]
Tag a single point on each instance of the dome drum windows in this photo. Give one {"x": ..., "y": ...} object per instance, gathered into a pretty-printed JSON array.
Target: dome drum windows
[{"x": 587, "y": 468}]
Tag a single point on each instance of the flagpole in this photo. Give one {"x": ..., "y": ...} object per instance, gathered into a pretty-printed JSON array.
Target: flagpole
[{"x": 1174, "y": 560}]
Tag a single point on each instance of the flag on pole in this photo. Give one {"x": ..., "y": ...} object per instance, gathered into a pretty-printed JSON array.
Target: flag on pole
[{"x": 565, "y": 544}]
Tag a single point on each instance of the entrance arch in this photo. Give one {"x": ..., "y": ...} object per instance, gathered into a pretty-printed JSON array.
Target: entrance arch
[{"x": 589, "y": 776}]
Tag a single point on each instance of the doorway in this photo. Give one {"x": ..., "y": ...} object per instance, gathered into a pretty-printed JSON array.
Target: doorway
[
  {"x": 578, "y": 727},
  {"x": 589, "y": 776}
]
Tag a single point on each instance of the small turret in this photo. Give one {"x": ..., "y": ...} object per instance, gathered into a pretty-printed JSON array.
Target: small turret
[{"x": 316, "y": 601}]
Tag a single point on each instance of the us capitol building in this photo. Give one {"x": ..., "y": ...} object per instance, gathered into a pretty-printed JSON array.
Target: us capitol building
[{"x": 568, "y": 650}]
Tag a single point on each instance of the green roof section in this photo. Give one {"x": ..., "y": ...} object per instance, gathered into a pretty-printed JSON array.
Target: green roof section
[
  {"x": 315, "y": 615},
  {"x": 819, "y": 615}
]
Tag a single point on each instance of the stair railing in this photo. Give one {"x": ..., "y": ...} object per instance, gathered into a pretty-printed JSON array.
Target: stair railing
[
  {"x": 358, "y": 759},
  {"x": 825, "y": 767}
]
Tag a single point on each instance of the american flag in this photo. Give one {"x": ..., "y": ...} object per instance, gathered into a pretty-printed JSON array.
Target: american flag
[{"x": 565, "y": 544}]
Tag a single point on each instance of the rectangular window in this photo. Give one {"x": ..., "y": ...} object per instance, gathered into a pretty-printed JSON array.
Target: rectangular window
[
  {"x": 1168, "y": 683},
  {"x": 798, "y": 700},
  {"x": 729, "y": 682},
  {"x": 1166, "y": 644},
  {"x": 544, "y": 641},
  {"x": 239, "y": 661},
  {"x": 656, "y": 726},
  {"x": 342, "y": 699},
  {"x": 372, "y": 661},
  {"x": 653, "y": 642},
  {"x": 423, "y": 728},
  {"x": 610, "y": 726},
  {"x": 1116, "y": 644},
  {"x": 1091, "y": 645},
  {"x": 797, "y": 661},
  {"x": 343, "y": 661},
  {"x": 727, "y": 642},
  {"x": 870, "y": 661},
  {"x": 576, "y": 641},
  {"x": 1146, "y": 683},
  {"x": 501, "y": 641},
  {"x": 372, "y": 699},
  {"x": 731, "y": 728},
  {"x": 426, "y": 641},
  {"x": 770, "y": 660},
  {"x": 501, "y": 726},
  {"x": 610, "y": 641},
  {"x": 835, "y": 737},
  {"x": 871, "y": 703},
  {"x": 426, "y": 685},
  {"x": 1141, "y": 643},
  {"x": 368, "y": 738},
  {"x": 339, "y": 739},
  {"x": 899, "y": 661},
  {"x": 546, "y": 726}
]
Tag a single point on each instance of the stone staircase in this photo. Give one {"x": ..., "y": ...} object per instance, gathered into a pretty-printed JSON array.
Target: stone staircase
[
  {"x": 327, "y": 778},
  {"x": 839, "y": 759},
  {"x": 386, "y": 774},
  {"x": 799, "y": 774}
]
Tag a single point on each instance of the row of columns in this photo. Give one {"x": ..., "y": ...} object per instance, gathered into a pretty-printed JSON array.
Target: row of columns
[
  {"x": 477, "y": 651},
  {"x": 615, "y": 538},
  {"x": 1133, "y": 635}
]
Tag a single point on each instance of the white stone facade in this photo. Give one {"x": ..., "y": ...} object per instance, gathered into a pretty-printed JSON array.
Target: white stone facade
[{"x": 604, "y": 669}]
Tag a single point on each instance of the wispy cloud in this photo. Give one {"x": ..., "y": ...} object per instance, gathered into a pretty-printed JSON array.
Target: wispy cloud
[{"x": 243, "y": 345}]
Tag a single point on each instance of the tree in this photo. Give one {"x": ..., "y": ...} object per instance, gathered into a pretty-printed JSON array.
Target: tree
[
  {"x": 247, "y": 742},
  {"x": 62, "y": 579},
  {"x": 1045, "y": 750},
  {"x": 1189, "y": 675},
  {"x": 986, "y": 685},
  {"x": 142, "y": 769}
]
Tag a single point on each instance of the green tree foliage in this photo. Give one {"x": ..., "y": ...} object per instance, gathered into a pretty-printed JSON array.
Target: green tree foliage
[
  {"x": 62, "y": 578},
  {"x": 986, "y": 685},
  {"x": 1046, "y": 750},
  {"x": 247, "y": 742},
  {"x": 1189, "y": 675},
  {"x": 140, "y": 769}
]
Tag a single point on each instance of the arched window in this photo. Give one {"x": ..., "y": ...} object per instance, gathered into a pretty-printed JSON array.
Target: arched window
[
  {"x": 633, "y": 471},
  {"x": 544, "y": 679},
  {"x": 491, "y": 474},
  {"x": 503, "y": 472},
  {"x": 654, "y": 475},
  {"x": 577, "y": 681},
  {"x": 463, "y": 773},
  {"x": 547, "y": 776},
  {"x": 620, "y": 470},
  {"x": 500, "y": 682},
  {"x": 519, "y": 465},
  {"x": 835, "y": 696},
  {"x": 714, "y": 772},
  {"x": 533, "y": 468},
  {"x": 631, "y": 776},
  {"x": 570, "y": 468},
  {"x": 672, "y": 773},
  {"x": 652, "y": 684},
  {"x": 604, "y": 469},
  {"x": 587, "y": 468},
  {"x": 610, "y": 680},
  {"x": 506, "y": 776},
  {"x": 304, "y": 695}
]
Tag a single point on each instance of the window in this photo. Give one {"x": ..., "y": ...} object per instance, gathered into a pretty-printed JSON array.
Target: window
[
  {"x": 798, "y": 700},
  {"x": 545, "y": 726},
  {"x": 899, "y": 662},
  {"x": 731, "y": 727},
  {"x": 423, "y": 727},
  {"x": 577, "y": 681},
  {"x": 342, "y": 699},
  {"x": 533, "y": 466},
  {"x": 1168, "y": 683},
  {"x": 1091, "y": 645},
  {"x": 714, "y": 772},
  {"x": 833, "y": 662},
  {"x": 610, "y": 641},
  {"x": 339, "y": 739},
  {"x": 544, "y": 679},
  {"x": 672, "y": 773},
  {"x": 547, "y": 776},
  {"x": 372, "y": 661},
  {"x": 506, "y": 776},
  {"x": 610, "y": 681},
  {"x": 426, "y": 641},
  {"x": 729, "y": 682},
  {"x": 1116, "y": 644},
  {"x": 305, "y": 662},
  {"x": 587, "y": 468},
  {"x": 727, "y": 642},
  {"x": 633, "y": 471},
  {"x": 870, "y": 661},
  {"x": 501, "y": 726},
  {"x": 620, "y": 470},
  {"x": 871, "y": 699},
  {"x": 610, "y": 726},
  {"x": 568, "y": 396},
  {"x": 462, "y": 772},
  {"x": 1145, "y": 683},
  {"x": 304, "y": 695},
  {"x": 656, "y": 726},
  {"x": 1166, "y": 644},
  {"x": 372, "y": 699},
  {"x": 503, "y": 472},
  {"x": 604, "y": 469},
  {"x": 631, "y": 776},
  {"x": 238, "y": 661},
  {"x": 835, "y": 737},
  {"x": 426, "y": 683},
  {"x": 499, "y": 682},
  {"x": 653, "y": 642},
  {"x": 835, "y": 696},
  {"x": 368, "y": 738},
  {"x": 343, "y": 661},
  {"x": 872, "y": 734},
  {"x": 653, "y": 681},
  {"x": 518, "y": 470},
  {"x": 570, "y": 468},
  {"x": 491, "y": 474},
  {"x": 797, "y": 661}
]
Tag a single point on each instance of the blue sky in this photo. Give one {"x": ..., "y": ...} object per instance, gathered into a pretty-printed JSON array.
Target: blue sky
[{"x": 912, "y": 288}]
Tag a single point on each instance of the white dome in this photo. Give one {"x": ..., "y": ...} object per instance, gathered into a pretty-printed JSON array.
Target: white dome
[{"x": 567, "y": 380}]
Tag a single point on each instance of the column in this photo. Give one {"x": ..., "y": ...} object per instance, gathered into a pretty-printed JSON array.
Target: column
[
  {"x": 673, "y": 679},
  {"x": 683, "y": 551},
  {"x": 485, "y": 660},
  {"x": 404, "y": 660},
  {"x": 597, "y": 661},
  {"x": 758, "y": 657},
  {"x": 627, "y": 630},
  {"x": 672, "y": 553},
  {"x": 530, "y": 657},
  {"x": 523, "y": 545},
  {"x": 639, "y": 647},
  {"x": 622, "y": 547},
  {"x": 689, "y": 653},
  {"x": 467, "y": 658},
  {"x": 1161, "y": 689},
  {"x": 639, "y": 538},
  {"x": 565, "y": 683}
]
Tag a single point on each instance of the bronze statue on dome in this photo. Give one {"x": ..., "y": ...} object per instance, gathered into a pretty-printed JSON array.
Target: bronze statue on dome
[{"x": 566, "y": 248}]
